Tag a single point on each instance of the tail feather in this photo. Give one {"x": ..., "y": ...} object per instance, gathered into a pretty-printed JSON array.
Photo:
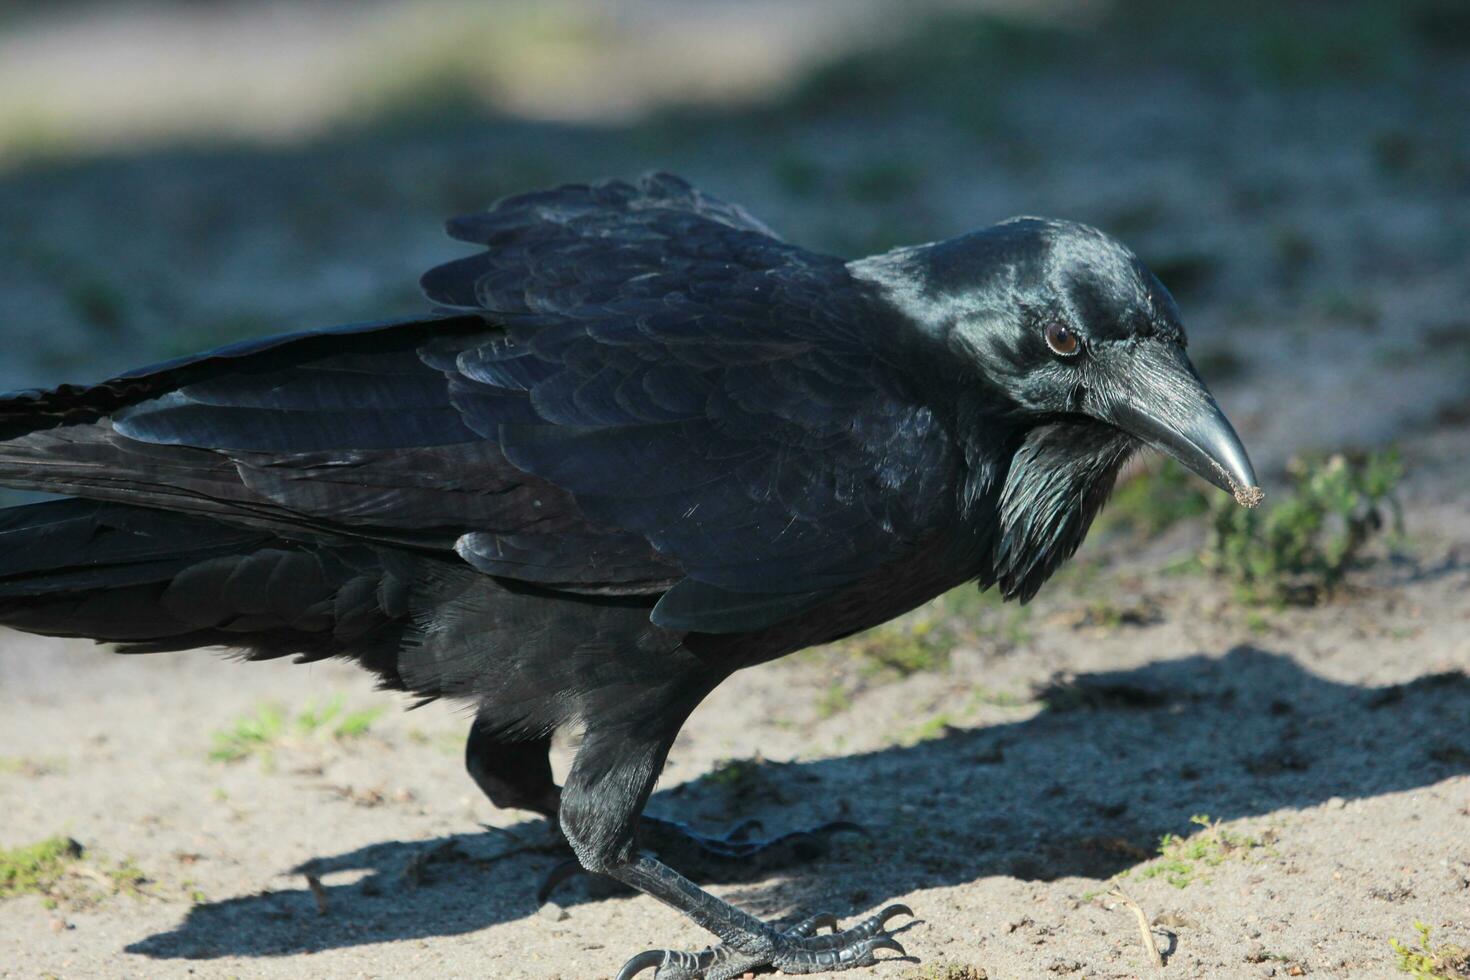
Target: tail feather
[
  {"x": 72, "y": 545},
  {"x": 156, "y": 580}
]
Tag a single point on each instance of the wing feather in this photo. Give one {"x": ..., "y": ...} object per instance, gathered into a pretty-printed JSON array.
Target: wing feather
[{"x": 632, "y": 389}]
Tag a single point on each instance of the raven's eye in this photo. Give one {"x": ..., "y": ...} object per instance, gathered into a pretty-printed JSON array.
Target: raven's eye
[{"x": 1061, "y": 340}]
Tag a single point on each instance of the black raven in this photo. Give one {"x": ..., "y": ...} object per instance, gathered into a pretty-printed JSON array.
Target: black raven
[{"x": 641, "y": 443}]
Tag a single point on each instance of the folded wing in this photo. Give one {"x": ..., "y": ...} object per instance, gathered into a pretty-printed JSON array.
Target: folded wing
[{"x": 631, "y": 390}]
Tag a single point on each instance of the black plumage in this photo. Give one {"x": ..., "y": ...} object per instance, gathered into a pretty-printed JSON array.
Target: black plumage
[{"x": 642, "y": 443}]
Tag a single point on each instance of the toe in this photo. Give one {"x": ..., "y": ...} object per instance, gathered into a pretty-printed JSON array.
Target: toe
[
  {"x": 872, "y": 926},
  {"x": 808, "y": 926},
  {"x": 846, "y": 957}
]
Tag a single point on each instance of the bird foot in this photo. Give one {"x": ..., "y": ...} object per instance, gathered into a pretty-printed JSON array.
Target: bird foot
[
  {"x": 797, "y": 950},
  {"x": 737, "y": 855}
]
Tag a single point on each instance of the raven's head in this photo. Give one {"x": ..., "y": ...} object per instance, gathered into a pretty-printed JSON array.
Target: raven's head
[{"x": 1064, "y": 354}]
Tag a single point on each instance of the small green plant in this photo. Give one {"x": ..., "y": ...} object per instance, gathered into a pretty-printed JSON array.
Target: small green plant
[
  {"x": 355, "y": 724},
  {"x": 918, "y": 642},
  {"x": 1431, "y": 962},
  {"x": 1299, "y": 550},
  {"x": 735, "y": 775},
  {"x": 926, "y": 731},
  {"x": 254, "y": 734},
  {"x": 259, "y": 734},
  {"x": 127, "y": 878},
  {"x": 1184, "y": 860},
  {"x": 834, "y": 701},
  {"x": 35, "y": 868},
  {"x": 745, "y": 783},
  {"x": 351, "y": 724},
  {"x": 54, "y": 869},
  {"x": 314, "y": 717}
]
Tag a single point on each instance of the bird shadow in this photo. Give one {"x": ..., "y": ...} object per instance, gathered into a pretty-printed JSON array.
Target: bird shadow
[{"x": 1081, "y": 788}]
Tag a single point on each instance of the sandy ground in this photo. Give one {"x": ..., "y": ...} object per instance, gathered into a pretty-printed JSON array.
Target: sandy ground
[{"x": 1317, "y": 238}]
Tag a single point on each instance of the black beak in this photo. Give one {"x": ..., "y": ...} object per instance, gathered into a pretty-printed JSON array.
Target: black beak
[{"x": 1167, "y": 406}]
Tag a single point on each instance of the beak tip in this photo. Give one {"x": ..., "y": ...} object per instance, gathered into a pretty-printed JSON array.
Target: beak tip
[{"x": 1248, "y": 497}]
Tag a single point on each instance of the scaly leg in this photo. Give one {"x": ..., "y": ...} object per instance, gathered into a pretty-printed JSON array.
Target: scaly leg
[{"x": 608, "y": 786}]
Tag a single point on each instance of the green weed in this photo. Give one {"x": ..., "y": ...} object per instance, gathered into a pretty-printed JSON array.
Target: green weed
[
  {"x": 330, "y": 717},
  {"x": 127, "y": 878},
  {"x": 355, "y": 724},
  {"x": 834, "y": 701},
  {"x": 35, "y": 868},
  {"x": 925, "y": 731},
  {"x": 260, "y": 733},
  {"x": 314, "y": 717},
  {"x": 735, "y": 775},
  {"x": 919, "y": 642},
  {"x": 1299, "y": 550},
  {"x": 1184, "y": 860},
  {"x": 745, "y": 784},
  {"x": 905, "y": 648},
  {"x": 1431, "y": 962},
  {"x": 53, "y": 868},
  {"x": 254, "y": 734}
]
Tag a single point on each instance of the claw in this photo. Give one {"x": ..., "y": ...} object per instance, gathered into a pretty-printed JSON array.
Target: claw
[
  {"x": 897, "y": 908},
  {"x": 649, "y": 958},
  {"x": 887, "y": 942}
]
